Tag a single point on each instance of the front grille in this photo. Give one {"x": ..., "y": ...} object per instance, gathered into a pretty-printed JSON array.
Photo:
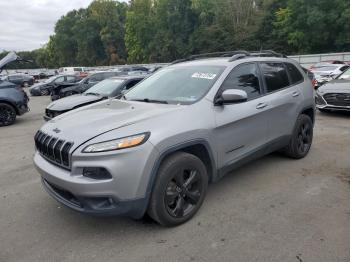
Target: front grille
[
  {"x": 337, "y": 99},
  {"x": 53, "y": 149}
]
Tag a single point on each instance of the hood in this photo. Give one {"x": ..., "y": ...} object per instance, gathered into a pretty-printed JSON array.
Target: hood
[
  {"x": 5, "y": 84},
  {"x": 83, "y": 124},
  {"x": 10, "y": 57},
  {"x": 335, "y": 86},
  {"x": 38, "y": 85},
  {"x": 70, "y": 102}
]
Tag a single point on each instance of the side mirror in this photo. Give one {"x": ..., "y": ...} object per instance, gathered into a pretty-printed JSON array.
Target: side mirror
[{"x": 231, "y": 96}]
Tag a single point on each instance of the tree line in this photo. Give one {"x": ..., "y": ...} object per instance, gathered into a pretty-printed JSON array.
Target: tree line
[{"x": 109, "y": 32}]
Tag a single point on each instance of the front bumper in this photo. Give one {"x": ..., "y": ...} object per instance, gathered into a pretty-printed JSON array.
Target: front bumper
[
  {"x": 125, "y": 193},
  {"x": 321, "y": 103}
]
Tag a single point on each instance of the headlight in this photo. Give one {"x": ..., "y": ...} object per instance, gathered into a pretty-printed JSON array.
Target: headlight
[{"x": 120, "y": 143}]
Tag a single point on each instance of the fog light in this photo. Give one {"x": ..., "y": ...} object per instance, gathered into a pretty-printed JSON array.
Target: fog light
[{"x": 98, "y": 173}]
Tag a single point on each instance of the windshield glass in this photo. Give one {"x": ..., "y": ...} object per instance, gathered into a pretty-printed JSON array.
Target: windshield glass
[
  {"x": 345, "y": 75},
  {"x": 52, "y": 78},
  {"x": 178, "y": 85},
  {"x": 325, "y": 68},
  {"x": 105, "y": 87}
]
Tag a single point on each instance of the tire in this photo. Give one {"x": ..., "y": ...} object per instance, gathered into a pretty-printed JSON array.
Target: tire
[
  {"x": 7, "y": 114},
  {"x": 301, "y": 141},
  {"x": 179, "y": 190},
  {"x": 44, "y": 92},
  {"x": 25, "y": 84}
]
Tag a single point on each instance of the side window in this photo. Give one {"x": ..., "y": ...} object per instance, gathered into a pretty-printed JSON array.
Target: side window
[
  {"x": 344, "y": 68},
  {"x": 131, "y": 84},
  {"x": 244, "y": 77},
  {"x": 275, "y": 76},
  {"x": 294, "y": 73},
  {"x": 96, "y": 78},
  {"x": 71, "y": 79}
]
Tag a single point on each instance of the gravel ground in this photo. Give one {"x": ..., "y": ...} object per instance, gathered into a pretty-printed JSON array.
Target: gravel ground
[{"x": 274, "y": 209}]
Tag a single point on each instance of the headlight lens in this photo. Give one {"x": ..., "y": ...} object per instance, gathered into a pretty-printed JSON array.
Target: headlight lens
[{"x": 117, "y": 144}]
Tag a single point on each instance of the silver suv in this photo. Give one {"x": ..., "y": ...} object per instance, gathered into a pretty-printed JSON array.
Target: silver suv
[{"x": 187, "y": 125}]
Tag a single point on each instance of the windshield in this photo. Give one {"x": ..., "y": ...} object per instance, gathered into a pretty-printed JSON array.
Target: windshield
[
  {"x": 105, "y": 87},
  {"x": 52, "y": 78},
  {"x": 345, "y": 75},
  {"x": 325, "y": 68},
  {"x": 178, "y": 84}
]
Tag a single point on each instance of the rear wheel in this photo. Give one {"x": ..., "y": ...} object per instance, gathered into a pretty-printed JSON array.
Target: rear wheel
[
  {"x": 180, "y": 189},
  {"x": 7, "y": 114},
  {"x": 300, "y": 143}
]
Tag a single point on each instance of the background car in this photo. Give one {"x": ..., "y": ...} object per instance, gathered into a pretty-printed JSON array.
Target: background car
[
  {"x": 82, "y": 86},
  {"x": 13, "y": 99},
  {"x": 44, "y": 88},
  {"x": 20, "y": 79},
  {"x": 77, "y": 70},
  {"x": 335, "y": 95},
  {"x": 327, "y": 72},
  {"x": 111, "y": 87}
]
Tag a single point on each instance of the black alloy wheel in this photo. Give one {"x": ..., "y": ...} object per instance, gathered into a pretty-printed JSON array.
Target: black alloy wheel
[
  {"x": 179, "y": 189},
  {"x": 301, "y": 139},
  {"x": 7, "y": 114},
  {"x": 183, "y": 192},
  {"x": 304, "y": 138}
]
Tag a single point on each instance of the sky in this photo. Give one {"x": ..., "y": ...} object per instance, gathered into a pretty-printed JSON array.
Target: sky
[{"x": 27, "y": 24}]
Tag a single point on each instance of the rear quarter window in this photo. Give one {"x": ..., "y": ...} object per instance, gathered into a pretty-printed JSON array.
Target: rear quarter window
[
  {"x": 294, "y": 74},
  {"x": 275, "y": 76}
]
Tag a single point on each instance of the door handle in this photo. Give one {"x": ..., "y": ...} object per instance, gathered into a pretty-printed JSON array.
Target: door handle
[
  {"x": 261, "y": 106},
  {"x": 295, "y": 94}
]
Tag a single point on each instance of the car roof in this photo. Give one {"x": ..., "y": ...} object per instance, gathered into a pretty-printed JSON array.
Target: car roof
[{"x": 225, "y": 61}]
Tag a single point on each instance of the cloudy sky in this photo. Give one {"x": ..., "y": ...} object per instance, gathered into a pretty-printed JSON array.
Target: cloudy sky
[{"x": 27, "y": 24}]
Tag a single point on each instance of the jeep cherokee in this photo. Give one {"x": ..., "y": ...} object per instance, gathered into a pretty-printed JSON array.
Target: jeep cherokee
[{"x": 187, "y": 125}]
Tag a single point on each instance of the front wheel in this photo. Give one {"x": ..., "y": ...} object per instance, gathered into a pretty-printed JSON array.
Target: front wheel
[
  {"x": 44, "y": 92},
  {"x": 7, "y": 115},
  {"x": 300, "y": 143},
  {"x": 180, "y": 189}
]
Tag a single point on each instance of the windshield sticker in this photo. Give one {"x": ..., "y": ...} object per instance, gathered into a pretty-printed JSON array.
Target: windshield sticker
[{"x": 200, "y": 75}]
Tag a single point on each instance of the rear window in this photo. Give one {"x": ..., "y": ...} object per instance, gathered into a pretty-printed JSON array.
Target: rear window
[
  {"x": 275, "y": 76},
  {"x": 294, "y": 73},
  {"x": 78, "y": 69}
]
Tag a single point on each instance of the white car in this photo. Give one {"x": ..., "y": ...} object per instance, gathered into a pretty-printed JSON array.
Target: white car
[{"x": 326, "y": 72}]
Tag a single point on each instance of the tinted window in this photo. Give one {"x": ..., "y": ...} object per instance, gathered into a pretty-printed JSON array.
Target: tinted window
[
  {"x": 244, "y": 77},
  {"x": 96, "y": 77},
  {"x": 275, "y": 76},
  {"x": 108, "y": 74},
  {"x": 344, "y": 68},
  {"x": 294, "y": 73}
]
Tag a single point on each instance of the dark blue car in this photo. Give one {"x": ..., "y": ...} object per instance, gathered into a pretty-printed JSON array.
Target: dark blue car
[{"x": 13, "y": 99}]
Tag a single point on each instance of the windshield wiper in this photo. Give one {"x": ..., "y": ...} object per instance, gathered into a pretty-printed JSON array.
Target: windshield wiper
[
  {"x": 93, "y": 94},
  {"x": 147, "y": 100}
]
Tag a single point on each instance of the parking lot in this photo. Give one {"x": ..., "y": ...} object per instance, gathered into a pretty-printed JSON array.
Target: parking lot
[{"x": 274, "y": 209}]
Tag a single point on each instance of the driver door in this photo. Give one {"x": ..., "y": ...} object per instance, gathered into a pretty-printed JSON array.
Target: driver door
[{"x": 241, "y": 128}]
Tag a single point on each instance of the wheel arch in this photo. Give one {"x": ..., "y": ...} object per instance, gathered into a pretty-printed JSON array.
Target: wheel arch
[
  {"x": 309, "y": 111},
  {"x": 11, "y": 104},
  {"x": 198, "y": 147}
]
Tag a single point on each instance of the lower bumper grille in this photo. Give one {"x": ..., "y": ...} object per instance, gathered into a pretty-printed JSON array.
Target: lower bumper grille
[
  {"x": 53, "y": 149},
  {"x": 337, "y": 99}
]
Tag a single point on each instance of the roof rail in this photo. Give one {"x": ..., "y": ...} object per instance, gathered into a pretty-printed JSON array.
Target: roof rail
[{"x": 234, "y": 55}]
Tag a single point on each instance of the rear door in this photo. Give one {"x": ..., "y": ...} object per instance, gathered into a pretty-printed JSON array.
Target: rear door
[
  {"x": 282, "y": 86},
  {"x": 241, "y": 129}
]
